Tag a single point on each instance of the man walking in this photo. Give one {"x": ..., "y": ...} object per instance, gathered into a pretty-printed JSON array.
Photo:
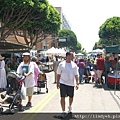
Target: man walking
[
  {"x": 100, "y": 68},
  {"x": 67, "y": 72}
]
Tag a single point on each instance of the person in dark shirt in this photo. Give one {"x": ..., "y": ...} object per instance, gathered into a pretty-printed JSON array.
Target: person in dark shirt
[{"x": 47, "y": 59}]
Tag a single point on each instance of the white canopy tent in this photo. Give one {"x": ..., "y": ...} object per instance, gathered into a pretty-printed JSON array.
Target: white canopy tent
[
  {"x": 56, "y": 51},
  {"x": 79, "y": 54},
  {"x": 51, "y": 51},
  {"x": 97, "y": 51}
]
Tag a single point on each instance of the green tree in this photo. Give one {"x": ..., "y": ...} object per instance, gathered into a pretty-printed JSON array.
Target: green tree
[
  {"x": 35, "y": 18},
  {"x": 109, "y": 31},
  {"x": 77, "y": 48},
  {"x": 71, "y": 40},
  {"x": 13, "y": 15},
  {"x": 95, "y": 46},
  {"x": 46, "y": 21}
]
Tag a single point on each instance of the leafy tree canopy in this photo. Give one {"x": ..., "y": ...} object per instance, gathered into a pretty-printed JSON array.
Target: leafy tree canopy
[
  {"x": 71, "y": 40},
  {"x": 13, "y": 14},
  {"x": 33, "y": 17},
  {"x": 110, "y": 30},
  {"x": 44, "y": 23}
]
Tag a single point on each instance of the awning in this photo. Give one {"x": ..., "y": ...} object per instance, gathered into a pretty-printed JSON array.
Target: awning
[
  {"x": 7, "y": 46},
  {"x": 113, "y": 49}
]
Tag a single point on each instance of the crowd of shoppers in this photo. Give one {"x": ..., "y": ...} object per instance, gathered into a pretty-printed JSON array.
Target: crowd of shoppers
[
  {"x": 28, "y": 68},
  {"x": 68, "y": 73}
]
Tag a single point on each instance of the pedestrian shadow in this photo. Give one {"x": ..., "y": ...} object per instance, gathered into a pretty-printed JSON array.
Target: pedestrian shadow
[
  {"x": 38, "y": 93},
  {"x": 26, "y": 108},
  {"x": 105, "y": 87},
  {"x": 69, "y": 116},
  {"x": 83, "y": 82},
  {"x": 97, "y": 86},
  {"x": 114, "y": 95},
  {"x": 8, "y": 111}
]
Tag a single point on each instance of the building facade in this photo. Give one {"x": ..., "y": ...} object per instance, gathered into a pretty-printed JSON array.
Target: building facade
[{"x": 52, "y": 40}]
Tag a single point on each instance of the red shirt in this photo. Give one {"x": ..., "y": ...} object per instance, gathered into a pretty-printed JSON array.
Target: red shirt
[
  {"x": 112, "y": 62},
  {"x": 100, "y": 63}
]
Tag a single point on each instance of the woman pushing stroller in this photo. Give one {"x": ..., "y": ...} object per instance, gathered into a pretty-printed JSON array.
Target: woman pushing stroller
[
  {"x": 13, "y": 92},
  {"x": 26, "y": 68}
]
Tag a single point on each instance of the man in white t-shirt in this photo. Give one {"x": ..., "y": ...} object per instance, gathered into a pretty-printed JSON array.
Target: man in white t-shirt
[
  {"x": 67, "y": 72},
  {"x": 26, "y": 68}
]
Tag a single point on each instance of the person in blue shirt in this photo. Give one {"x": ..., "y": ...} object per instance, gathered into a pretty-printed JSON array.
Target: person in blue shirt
[{"x": 107, "y": 67}]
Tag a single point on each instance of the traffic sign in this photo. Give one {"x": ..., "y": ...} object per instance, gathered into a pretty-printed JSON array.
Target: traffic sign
[{"x": 62, "y": 40}]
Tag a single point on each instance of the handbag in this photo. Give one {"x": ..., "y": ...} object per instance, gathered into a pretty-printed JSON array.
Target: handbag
[{"x": 23, "y": 91}]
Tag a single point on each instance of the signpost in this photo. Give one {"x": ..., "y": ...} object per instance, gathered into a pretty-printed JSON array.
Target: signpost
[{"x": 62, "y": 40}]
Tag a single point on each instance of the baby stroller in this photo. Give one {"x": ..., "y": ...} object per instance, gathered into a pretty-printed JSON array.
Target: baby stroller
[
  {"x": 87, "y": 74},
  {"x": 42, "y": 83},
  {"x": 14, "y": 91}
]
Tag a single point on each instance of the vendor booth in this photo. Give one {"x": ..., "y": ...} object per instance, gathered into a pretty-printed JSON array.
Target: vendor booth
[
  {"x": 113, "y": 78},
  {"x": 113, "y": 49}
]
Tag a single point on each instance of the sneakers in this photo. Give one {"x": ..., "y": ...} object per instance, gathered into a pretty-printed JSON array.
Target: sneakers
[
  {"x": 63, "y": 115},
  {"x": 20, "y": 107},
  {"x": 28, "y": 104},
  {"x": 100, "y": 84},
  {"x": 2, "y": 96},
  {"x": 69, "y": 109}
]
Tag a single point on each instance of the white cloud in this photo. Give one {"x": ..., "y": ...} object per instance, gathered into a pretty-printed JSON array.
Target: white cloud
[{"x": 86, "y": 16}]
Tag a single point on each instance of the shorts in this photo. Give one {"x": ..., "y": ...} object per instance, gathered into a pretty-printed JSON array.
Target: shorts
[
  {"x": 29, "y": 91},
  {"x": 99, "y": 73},
  {"x": 66, "y": 90}
]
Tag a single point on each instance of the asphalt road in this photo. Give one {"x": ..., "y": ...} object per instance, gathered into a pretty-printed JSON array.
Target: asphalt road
[{"x": 89, "y": 98}]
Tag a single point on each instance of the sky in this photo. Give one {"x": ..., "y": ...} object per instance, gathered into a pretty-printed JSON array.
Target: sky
[{"x": 86, "y": 16}]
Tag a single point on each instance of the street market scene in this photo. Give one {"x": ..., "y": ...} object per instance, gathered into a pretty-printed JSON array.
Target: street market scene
[{"x": 47, "y": 72}]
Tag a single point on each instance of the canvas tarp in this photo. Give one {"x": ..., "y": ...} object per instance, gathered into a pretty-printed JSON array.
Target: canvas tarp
[
  {"x": 113, "y": 49},
  {"x": 10, "y": 47}
]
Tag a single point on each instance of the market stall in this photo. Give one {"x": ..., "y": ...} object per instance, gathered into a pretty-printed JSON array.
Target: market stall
[{"x": 113, "y": 78}]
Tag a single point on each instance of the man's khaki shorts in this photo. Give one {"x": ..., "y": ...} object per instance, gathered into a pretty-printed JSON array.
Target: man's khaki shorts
[
  {"x": 99, "y": 73},
  {"x": 29, "y": 91}
]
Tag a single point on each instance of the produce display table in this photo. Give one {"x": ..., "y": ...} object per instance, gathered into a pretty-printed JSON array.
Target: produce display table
[{"x": 114, "y": 79}]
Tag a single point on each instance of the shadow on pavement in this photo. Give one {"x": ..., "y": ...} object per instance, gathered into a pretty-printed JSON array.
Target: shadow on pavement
[
  {"x": 36, "y": 93},
  {"x": 69, "y": 116},
  {"x": 97, "y": 86}
]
